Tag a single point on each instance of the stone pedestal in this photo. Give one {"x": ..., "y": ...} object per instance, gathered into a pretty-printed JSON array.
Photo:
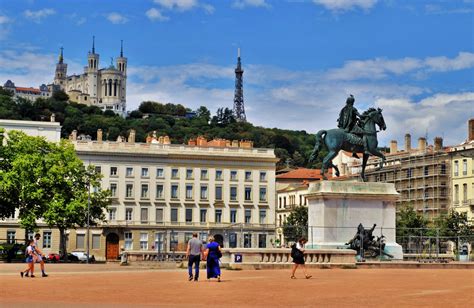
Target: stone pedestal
[{"x": 336, "y": 208}]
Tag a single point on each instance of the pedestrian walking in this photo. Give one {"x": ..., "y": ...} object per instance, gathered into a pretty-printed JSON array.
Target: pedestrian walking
[
  {"x": 30, "y": 259},
  {"x": 194, "y": 253},
  {"x": 213, "y": 254},
  {"x": 297, "y": 253},
  {"x": 39, "y": 258}
]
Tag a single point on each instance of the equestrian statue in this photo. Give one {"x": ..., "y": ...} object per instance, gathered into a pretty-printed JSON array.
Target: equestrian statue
[{"x": 356, "y": 133}]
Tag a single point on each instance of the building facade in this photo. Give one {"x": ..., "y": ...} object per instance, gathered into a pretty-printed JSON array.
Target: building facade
[
  {"x": 102, "y": 87},
  {"x": 27, "y": 93},
  {"x": 462, "y": 174},
  {"x": 49, "y": 130}
]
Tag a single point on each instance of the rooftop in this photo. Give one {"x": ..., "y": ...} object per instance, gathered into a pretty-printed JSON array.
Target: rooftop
[{"x": 301, "y": 174}]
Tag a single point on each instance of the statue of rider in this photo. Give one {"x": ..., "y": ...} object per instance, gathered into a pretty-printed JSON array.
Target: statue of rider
[{"x": 348, "y": 120}]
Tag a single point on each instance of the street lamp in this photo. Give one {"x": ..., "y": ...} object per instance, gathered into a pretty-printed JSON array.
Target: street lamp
[{"x": 88, "y": 211}]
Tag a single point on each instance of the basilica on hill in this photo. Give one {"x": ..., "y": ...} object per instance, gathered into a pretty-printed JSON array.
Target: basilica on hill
[{"x": 102, "y": 87}]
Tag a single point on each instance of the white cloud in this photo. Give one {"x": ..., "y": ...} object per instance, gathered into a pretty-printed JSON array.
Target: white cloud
[
  {"x": 155, "y": 15},
  {"x": 443, "y": 64},
  {"x": 38, "y": 16},
  {"x": 240, "y": 4},
  {"x": 5, "y": 24},
  {"x": 116, "y": 18},
  {"x": 185, "y": 5},
  {"x": 346, "y": 5}
]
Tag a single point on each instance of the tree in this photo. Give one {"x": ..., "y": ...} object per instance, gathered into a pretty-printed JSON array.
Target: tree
[
  {"x": 296, "y": 224},
  {"x": 410, "y": 223},
  {"x": 203, "y": 113},
  {"x": 454, "y": 224},
  {"x": 60, "y": 95}
]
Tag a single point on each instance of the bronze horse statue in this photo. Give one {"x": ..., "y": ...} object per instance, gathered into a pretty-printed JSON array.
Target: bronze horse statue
[{"x": 337, "y": 139}]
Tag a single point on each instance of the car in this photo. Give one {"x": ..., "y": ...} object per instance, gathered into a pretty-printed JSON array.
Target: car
[
  {"x": 53, "y": 257},
  {"x": 82, "y": 256},
  {"x": 70, "y": 258}
]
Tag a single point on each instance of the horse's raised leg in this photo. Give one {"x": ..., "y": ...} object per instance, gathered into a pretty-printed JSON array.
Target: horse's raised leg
[{"x": 335, "y": 168}]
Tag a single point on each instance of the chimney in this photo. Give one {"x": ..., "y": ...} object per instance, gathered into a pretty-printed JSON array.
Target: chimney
[
  {"x": 471, "y": 130},
  {"x": 407, "y": 143},
  {"x": 73, "y": 135},
  {"x": 393, "y": 147},
  {"x": 422, "y": 144},
  {"x": 438, "y": 143},
  {"x": 131, "y": 136},
  {"x": 166, "y": 140},
  {"x": 99, "y": 135},
  {"x": 53, "y": 117}
]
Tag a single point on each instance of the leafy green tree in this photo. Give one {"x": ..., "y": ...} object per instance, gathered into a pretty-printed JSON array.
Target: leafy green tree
[
  {"x": 296, "y": 224},
  {"x": 454, "y": 224},
  {"x": 410, "y": 223},
  {"x": 203, "y": 113},
  {"x": 60, "y": 95}
]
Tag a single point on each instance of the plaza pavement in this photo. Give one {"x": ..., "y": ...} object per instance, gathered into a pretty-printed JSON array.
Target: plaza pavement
[{"x": 110, "y": 285}]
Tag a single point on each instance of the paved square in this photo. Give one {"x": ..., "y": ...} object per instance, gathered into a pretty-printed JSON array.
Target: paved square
[{"x": 79, "y": 285}]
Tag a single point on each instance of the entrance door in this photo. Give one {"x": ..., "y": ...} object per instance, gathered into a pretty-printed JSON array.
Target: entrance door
[{"x": 112, "y": 246}]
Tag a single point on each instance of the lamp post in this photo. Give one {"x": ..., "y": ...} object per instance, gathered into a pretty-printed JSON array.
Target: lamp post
[{"x": 88, "y": 212}]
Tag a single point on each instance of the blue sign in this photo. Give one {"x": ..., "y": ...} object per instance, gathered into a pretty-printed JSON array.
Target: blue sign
[{"x": 238, "y": 258}]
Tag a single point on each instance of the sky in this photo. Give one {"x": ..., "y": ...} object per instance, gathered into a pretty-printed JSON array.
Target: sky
[{"x": 301, "y": 58}]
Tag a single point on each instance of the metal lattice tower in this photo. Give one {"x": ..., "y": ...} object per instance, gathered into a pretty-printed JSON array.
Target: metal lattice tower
[{"x": 239, "y": 110}]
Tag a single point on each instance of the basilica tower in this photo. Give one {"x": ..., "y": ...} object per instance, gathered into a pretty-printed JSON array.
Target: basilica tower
[
  {"x": 92, "y": 72},
  {"x": 122, "y": 67},
  {"x": 60, "y": 74}
]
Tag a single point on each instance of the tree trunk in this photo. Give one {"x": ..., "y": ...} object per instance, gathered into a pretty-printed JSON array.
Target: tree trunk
[{"x": 62, "y": 245}]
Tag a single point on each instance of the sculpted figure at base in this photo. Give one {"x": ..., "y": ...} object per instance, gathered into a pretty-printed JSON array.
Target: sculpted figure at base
[
  {"x": 355, "y": 133},
  {"x": 366, "y": 246}
]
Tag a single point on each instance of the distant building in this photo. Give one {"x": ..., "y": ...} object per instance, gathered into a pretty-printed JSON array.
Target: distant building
[
  {"x": 27, "y": 93},
  {"x": 104, "y": 88},
  {"x": 49, "y": 130},
  {"x": 462, "y": 173}
]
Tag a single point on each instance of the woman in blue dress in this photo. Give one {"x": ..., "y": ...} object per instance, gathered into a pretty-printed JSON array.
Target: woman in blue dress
[{"x": 213, "y": 254}]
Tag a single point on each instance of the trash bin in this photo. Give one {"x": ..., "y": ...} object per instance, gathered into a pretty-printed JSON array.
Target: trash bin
[{"x": 464, "y": 253}]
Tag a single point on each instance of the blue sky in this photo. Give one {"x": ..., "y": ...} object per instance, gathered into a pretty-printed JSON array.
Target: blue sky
[{"x": 415, "y": 59}]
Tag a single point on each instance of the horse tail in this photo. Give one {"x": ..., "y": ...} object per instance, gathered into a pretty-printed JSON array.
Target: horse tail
[{"x": 318, "y": 144}]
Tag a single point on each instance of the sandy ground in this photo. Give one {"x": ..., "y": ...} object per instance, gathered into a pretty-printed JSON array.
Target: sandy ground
[{"x": 101, "y": 285}]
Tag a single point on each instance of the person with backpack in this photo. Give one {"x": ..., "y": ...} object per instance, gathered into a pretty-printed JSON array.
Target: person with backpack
[
  {"x": 297, "y": 253},
  {"x": 30, "y": 259}
]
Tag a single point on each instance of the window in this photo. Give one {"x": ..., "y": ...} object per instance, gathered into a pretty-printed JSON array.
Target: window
[
  {"x": 11, "y": 237},
  {"x": 113, "y": 189},
  {"x": 248, "y": 216},
  {"x": 218, "y": 192},
  {"x": 128, "y": 214},
  {"x": 144, "y": 193},
  {"x": 247, "y": 240},
  {"x": 456, "y": 193},
  {"x": 203, "y": 174},
  {"x": 203, "y": 237},
  {"x": 143, "y": 241},
  {"x": 80, "y": 239},
  {"x": 409, "y": 172},
  {"x": 113, "y": 171},
  {"x": 189, "y": 174},
  {"x": 263, "y": 176},
  {"x": 233, "y": 193},
  {"x": 233, "y": 240},
  {"x": 159, "y": 241},
  {"x": 174, "y": 173},
  {"x": 144, "y": 214},
  {"x": 189, "y": 191},
  {"x": 263, "y": 194},
  {"x": 160, "y": 173},
  {"x": 173, "y": 241},
  {"x": 159, "y": 191},
  {"x": 129, "y": 172},
  {"x": 262, "y": 241},
  {"x": 95, "y": 241},
  {"x": 129, "y": 191},
  {"x": 427, "y": 170},
  {"x": 248, "y": 175},
  {"x": 204, "y": 192},
  {"x": 279, "y": 202},
  {"x": 248, "y": 193},
  {"x": 187, "y": 237},
  {"x": 189, "y": 215},
  {"x": 174, "y": 215},
  {"x": 233, "y": 175},
  {"x": 203, "y": 215},
  {"x": 443, "y": 169},
  {"x": 112, "y": 214},
  {"x": 128, "y": 241},
  {"x": 464, "y": 167},
  {"x": 145, "y": 172},
  {"x": 218, "y": 215},
  {"x": 159, "y": 215},
  {"x": 464, "y": 193},
  {"x": 47, "y": 239},
  {"x": 174, "y": 191},
  {"x": 98, "y": 169},
  {"x": 263, "y": 216},
  {"x": 233, "y": 216},
  {"x": 218, "y": 175},
  {"x": 456, "y": 168}
]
